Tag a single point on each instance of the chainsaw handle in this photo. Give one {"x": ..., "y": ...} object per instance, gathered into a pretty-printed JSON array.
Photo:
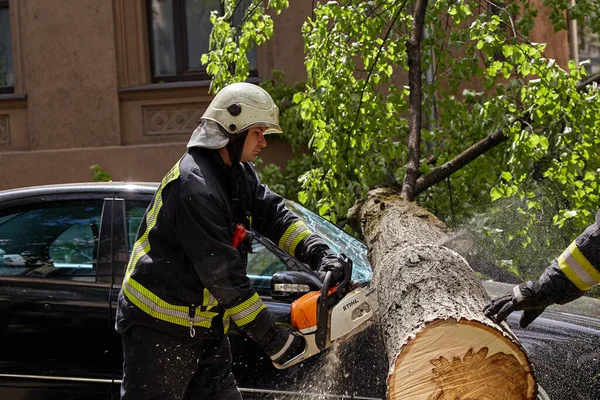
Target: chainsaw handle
[
  {"x": 310, "y": 349},
  {"x": 347, "y": 264},
  {"x": 323, "y": 313},
  {"x": 326, "y": 300},
  {"x": 326, "y": 283}
]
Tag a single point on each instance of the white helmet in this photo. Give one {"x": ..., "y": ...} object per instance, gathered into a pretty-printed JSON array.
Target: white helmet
[{"x": 240, "y": 106}]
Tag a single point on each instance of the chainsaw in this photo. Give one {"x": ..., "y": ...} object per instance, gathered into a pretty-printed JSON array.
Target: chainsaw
[{"x": 332, "y": 314}]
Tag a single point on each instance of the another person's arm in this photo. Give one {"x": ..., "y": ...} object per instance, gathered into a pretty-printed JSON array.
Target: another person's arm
[{"x": 568, "y": 277}]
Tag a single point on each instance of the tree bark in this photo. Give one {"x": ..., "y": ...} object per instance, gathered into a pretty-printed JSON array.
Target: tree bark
[{"x": 439, "y": 344}]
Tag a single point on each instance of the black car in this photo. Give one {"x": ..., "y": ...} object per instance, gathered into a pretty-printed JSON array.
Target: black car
[{"x": 63, "y": 253}]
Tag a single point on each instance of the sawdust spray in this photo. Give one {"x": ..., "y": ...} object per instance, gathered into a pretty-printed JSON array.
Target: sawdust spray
[{"x": 355, "y": 368}]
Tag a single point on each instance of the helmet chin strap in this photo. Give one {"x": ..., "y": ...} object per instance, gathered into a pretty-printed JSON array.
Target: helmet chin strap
[{"x": 235, "y": 147}]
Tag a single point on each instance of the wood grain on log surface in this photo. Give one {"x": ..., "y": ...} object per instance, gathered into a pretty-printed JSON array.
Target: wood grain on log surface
[{"x": 438, "y": 342}]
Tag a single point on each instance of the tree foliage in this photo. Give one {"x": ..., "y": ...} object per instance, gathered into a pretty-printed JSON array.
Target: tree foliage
[
  {"x": 285, "y": 181},
  {"x": 99, "y": 175},
  {"x": 481, "y": 76},
  {"x": 227, "y": 61}
]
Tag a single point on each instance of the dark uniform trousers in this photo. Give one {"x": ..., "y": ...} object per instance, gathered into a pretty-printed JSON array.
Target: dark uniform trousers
[{"x": 160, "y": 366}]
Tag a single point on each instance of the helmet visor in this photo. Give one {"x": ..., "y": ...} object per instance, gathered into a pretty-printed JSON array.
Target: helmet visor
[{"x": 271, "y": 128}]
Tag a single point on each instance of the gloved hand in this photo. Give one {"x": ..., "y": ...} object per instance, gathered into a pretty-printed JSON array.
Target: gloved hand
[
  {"x": 527, "y": 296},
  {"x": 331, "y": 262},
  {"x": 282, "y": 345}
]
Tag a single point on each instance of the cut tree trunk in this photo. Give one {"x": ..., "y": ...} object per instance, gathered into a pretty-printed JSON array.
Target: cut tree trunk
[{"x": 438, "y": 342}]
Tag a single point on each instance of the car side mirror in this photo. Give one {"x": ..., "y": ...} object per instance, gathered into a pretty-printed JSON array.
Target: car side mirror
[{"x": 291, "y": 285}]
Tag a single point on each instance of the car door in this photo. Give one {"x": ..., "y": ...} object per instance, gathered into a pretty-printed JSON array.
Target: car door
[
  {"x": 54, "y": 309},
  {"x": 128, "y": 211}
]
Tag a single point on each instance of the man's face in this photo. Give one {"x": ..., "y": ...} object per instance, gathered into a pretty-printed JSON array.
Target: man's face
[{"x": 255, "y": 141}]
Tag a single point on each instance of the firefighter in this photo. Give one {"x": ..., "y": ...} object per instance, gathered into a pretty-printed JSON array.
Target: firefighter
[
  {"x": 186, "y": 278},
  {"x": 567, "y": 278}
]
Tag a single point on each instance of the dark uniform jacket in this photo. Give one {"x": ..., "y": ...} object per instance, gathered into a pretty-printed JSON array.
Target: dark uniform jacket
[
  {"x": 577, "y": 269},
  {"x": 184, "y": 272}
]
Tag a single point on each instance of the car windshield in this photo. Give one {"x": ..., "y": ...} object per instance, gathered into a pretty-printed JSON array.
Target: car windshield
[{"x": 339, "y": 240}]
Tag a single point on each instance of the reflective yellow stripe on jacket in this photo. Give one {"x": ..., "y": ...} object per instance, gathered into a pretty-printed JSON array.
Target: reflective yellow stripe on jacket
[
  {"x": 578, "y": 269},
  {"x": 292, "y": 236},
  {"x": 145, "y": 299},
  {"x": 153, "y": 305},
  {"x": 245, "y": 312}
]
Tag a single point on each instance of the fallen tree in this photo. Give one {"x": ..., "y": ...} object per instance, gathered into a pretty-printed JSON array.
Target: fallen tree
[{"x": 439, "y": 344}]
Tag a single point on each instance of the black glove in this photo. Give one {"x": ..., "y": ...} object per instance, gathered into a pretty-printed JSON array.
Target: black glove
[
  {"x": 331, "y": 262},
  {"x": 527, "y": 296},
  {"x": 282, "y": 345}
]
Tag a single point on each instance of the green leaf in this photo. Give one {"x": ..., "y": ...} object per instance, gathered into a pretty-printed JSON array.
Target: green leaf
[
  {"x": 534, "y": 139},
  {"x": 297, "y": 97},
  {"x": 302, "y": 197},
  {"x": 324, "y": 208},
  {"x": 589, "y": 176},
  {"x": 496, "y": 194},
  {"x": 319, "y": 144}
]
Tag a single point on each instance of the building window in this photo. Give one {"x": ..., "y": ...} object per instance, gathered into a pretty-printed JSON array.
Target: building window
[
  {"x": 6, "y": 65},
  {"x": 179, "y": 35}
]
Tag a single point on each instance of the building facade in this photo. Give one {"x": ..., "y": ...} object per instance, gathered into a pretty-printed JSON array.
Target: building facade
[{"x": 118, "y": 83}]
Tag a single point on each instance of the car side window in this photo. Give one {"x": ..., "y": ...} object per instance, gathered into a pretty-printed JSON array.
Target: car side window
[
  {"x": 55, "y": 240},
  {"x": 262, "y": 264}
]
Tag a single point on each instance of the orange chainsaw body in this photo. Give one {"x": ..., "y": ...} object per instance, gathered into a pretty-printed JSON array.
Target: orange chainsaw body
[
  {"x": 331, "y": 314},
  {"x": 304, "y": 311}
]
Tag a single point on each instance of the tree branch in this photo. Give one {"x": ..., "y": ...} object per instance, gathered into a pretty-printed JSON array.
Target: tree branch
[
  {"x": 413, "y": 51},
  {"x": 492, "y": 140},
  {"x": 448, "y": 168},
  {"x": 588, "y": 81}
]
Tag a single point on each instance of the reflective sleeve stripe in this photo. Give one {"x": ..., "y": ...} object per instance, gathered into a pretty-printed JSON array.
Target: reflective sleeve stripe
[
  {"x": 578, "y": 269},
  {"x": 142, "y": 245},
  {"x": 246, "y": 312},
  {"x": 293, "y": 235},
  {"x": 286, "y": 346},
  {"x": 158, "y": 308}
]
